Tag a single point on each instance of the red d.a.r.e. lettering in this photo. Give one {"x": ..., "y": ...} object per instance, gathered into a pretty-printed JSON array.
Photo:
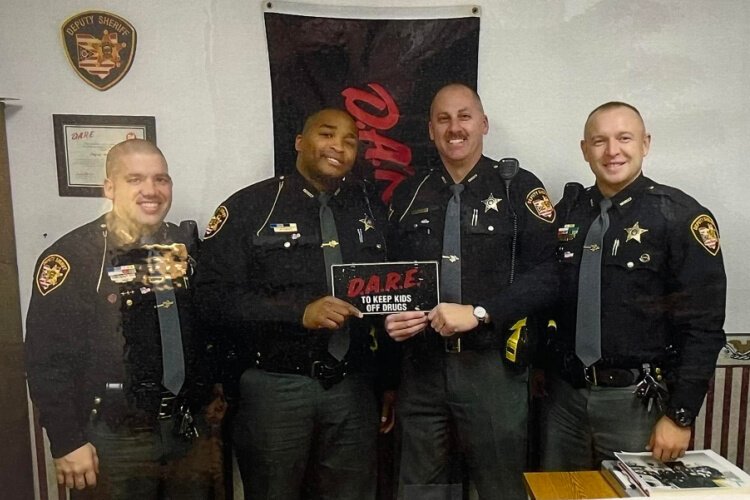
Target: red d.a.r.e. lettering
[{"x": 377, "y": 283}]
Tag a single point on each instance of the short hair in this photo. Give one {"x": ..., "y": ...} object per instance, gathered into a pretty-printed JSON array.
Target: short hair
[
  {"x": 458, "y": 85},
  {"x": 129, "y": 147},
  {"x": 612, "y": 105},
  {"x": 311, "y": 119}
]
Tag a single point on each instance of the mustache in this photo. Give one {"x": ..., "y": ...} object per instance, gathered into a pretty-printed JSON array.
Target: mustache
[{"x": 453, "y": 135}]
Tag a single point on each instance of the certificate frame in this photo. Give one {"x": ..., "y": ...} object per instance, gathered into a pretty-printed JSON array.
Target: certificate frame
[{"x": 82, "y": 143}]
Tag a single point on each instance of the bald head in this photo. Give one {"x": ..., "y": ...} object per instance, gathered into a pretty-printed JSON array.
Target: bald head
[
  {"x": 451, "y": 87},
  {"x": 127, "y": 148},
  {"x": 609, "y": 106}
]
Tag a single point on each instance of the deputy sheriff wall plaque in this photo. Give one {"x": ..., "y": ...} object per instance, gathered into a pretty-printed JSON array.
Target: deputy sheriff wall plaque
[{"x": 100, "y": 47}]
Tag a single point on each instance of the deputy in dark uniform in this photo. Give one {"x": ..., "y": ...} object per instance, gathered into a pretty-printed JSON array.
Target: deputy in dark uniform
[
  {"x": 454, "y": 373},
  {"x": 96, "y": 337},
  {"x": 307, "y": 421},
  {"x": 658, "y": 296}
]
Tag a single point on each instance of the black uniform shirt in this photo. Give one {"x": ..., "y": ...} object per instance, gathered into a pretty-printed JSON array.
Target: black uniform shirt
[
  {"x": 663, "y": 282},
  {"x": 84, "y": 292},
  {"x": 262, "y": 264},
  {"x": 416, "y": 233}
]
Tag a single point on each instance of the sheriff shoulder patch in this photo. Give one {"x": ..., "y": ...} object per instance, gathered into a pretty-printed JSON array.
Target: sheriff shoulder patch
[
  {"x": 51, "y": 273},
  {"x": 539, "y": 204},
  {"x": 100, "y": 47},
  {"x": 705, "y": 232},
  {"x": 217, "y": 222}
]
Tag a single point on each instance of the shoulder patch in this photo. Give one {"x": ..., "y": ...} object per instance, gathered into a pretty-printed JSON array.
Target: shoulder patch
[
  {"x": 217, "y": 221},
  {"x": 51, "y": 273},
  {"x": 539, "y": 204},
  {"x": 706, "y": 233}
]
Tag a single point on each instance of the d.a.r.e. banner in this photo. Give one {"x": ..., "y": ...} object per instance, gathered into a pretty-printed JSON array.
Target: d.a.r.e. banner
[{"x": 383, "y": 65}]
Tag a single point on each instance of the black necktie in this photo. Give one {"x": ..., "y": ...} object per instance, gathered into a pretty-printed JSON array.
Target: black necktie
[
  {"x": 589, "y": 317},
  {"x": 338, "y": 344},
  {"x": 173, "y": 360},
  {"x": 450, "y": 269}
]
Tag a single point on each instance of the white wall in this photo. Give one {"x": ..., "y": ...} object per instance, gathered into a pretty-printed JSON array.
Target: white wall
[{"x": 201, "y": 68}]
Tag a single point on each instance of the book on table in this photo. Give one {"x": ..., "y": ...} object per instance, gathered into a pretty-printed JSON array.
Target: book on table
[
  {"x": 699, "y": 471},
  {"x": 619, "y": 480}
]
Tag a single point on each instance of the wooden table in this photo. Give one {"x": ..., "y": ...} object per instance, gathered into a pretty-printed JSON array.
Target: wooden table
[{"x": 567, "y": 485}]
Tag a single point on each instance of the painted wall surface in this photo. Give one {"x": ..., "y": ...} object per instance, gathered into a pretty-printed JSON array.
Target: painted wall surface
[{"x": 201, "y": 69}]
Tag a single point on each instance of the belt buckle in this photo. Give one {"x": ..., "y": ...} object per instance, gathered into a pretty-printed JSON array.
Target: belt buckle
[
  {"x": 589, "y": 373},
  {"x": 166, "y": 407},
  {"x": 315, "y": 369},
  {"x": 453, "y": 345}
]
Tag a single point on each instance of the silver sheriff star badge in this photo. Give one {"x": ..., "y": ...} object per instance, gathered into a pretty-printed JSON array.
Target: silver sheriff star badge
[
  {"x": 491, "y": 203},
  {"x": 367, "y": 222},
  {"x": 635, "y": 232}
]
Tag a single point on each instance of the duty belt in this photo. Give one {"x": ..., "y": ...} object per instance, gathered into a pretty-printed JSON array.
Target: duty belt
[
  {"x": 114, "y": 407},
  {"x": 599, "y": 375},
  {"x": 328, "y": 374},
  {"x": 173, "y": 413},
  {"x": 430, "y": 341},
  {"x": 611, "y": 377},
  {"x": 460, "y": 343}
]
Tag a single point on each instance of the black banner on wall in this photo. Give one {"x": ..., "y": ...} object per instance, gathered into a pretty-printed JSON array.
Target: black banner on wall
[{"x": 383, "y": 71}]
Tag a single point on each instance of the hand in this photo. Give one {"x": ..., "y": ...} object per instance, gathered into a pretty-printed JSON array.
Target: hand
[
  {"x": 78, "y": 469},
  {"x": 388, "y": 412},
  {"x": 405, "y": 325},
  {"x": 450, "y": 319},
  {"x": 668, "y": 440},
  {"x": 328, "y": 312}
]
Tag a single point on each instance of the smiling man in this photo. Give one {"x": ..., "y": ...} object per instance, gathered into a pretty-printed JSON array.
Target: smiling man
[
  {"x": 486, "y": 222},
  {"x": 111, "y": 365},
  {"x": 643, "y": 292},
  {"x": 307, "y": 420}
]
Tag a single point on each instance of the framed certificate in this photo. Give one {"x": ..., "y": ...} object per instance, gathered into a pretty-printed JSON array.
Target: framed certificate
[
  {"x": 82, "y": 143},
  {"x": 387, "y": 287}
]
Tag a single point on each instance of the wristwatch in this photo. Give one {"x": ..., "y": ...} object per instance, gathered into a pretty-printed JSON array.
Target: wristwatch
[
  {"x": 681, "y": 416},
  {"x": 481, "y": 314}
]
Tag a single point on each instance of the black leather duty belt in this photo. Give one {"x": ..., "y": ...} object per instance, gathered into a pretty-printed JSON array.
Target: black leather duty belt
[
  {"x": 328, "y": 375},
  {"x": 114, "y": 408},
  {"x": 602, "y": 376},
  {"x": 472, "y": 341}
]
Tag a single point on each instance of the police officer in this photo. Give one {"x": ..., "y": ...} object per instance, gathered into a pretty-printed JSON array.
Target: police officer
[
  {"x": 307, "y": 421},
  {"x": 109, "y": 349},
  {"x": 657, "y": 287},
  {"x": 454, "y": 376}
]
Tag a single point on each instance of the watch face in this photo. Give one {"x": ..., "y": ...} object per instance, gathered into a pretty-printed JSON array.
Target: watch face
[
  {"x": 480, "y": 313},
  {"x": 682, "y": 417}
]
